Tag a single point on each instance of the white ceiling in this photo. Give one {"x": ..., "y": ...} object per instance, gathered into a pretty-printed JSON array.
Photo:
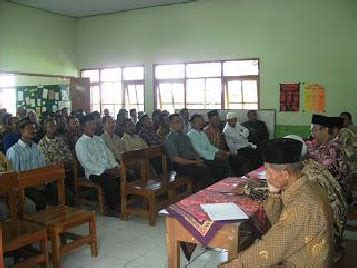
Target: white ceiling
[{"x": 82, "y": 8}]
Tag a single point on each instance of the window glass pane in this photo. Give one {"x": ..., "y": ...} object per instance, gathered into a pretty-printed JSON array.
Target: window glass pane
[
  {"x": 195, "y": 91},
  {"x": 110, "y": 74},
  {"x": 235, "y": 106},
  {"x": 250, "y": 106},
  {"x": 240, "y": 67},
  {"x": 94, "y": 95},
  {"x": 203, "y": 70},
  {"x": 133, "y": 73},
  {"x": 95, "y": 107},
  {"x": 93, "y": 75},
  {"x": 7, "y": 80},
  {"x": 234, "y": 91},
  {"x": 134, "y": 96},
  {"x": 170, "y": 71},
  {"x": 8, "y": 99},
  {"x": 213, "y": 93},
  {"x": 195, "y": 106},
  {"x": 250, "y": 91},
  {"x": 111, "y": 93},
  {"x": 170, "y": 96}
]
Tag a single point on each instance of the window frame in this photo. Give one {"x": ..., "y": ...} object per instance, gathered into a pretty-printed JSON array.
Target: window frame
[
  {"x": 123, "y": 83},
  {"x": 224, "y": 80}
]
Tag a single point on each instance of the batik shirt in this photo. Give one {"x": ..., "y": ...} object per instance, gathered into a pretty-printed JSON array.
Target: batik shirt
[
  {"x": 301, "y": 232},
  {"x": 331, "y": 157},
  {"x": 55, "y": 150},
  {"x": 215, "y": 136},
  {"x": 316, "y": 173}
]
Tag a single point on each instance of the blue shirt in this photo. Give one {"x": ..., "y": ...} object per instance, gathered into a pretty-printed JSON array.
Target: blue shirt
[
  {"x": 9, "y": 140},
  {"x": 23, "y": 157}
]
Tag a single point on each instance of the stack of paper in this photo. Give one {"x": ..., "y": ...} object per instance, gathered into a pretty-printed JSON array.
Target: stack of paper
[{"x": 224, "y": 211}]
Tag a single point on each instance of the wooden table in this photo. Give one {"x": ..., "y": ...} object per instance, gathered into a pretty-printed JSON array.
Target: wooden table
[{"x": 226, "y": 238}]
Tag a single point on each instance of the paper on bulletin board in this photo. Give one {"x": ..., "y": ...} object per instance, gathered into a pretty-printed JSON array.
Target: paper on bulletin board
[
  {"x": 314, "y": 98},
  {"x": 63, "y": 104},
  {"x": 27, "y": 101},
  {"x": 20, "y": 96},
  {"x": 57, "y": 96},
  {"x": 51, "y": 94},
  {"x": 32, "y": 102},
  {"x": 38, "y": 110},
  {"x": 54, "y": 108},
  {"x": 44, "y": 109},
  {"x": 38, "y": 102},
  {"x": 44, "y": 93}
]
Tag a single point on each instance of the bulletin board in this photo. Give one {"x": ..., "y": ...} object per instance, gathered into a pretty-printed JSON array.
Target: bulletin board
[{"x": 42, "y": 99}]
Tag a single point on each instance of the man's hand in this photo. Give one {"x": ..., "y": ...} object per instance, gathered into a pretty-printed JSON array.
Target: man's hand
[
  {"x": 200, "y": 162},
  {"x": 113, "y": 172},
  {"x": 223, "y": 155},
  {"x": 272, "y": 189}
]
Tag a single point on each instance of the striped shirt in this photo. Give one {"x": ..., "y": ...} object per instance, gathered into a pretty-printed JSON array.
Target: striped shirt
[{"x": 23, "y": 157}]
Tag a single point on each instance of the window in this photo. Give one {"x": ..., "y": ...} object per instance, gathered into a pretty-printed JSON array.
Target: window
[
  {"x": 231, "y": 84},
  {"x": 116, "y": 88},
  {"x": 8, "y": 93}
]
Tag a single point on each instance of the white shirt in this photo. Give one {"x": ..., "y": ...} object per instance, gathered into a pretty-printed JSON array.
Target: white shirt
[
  {"x": 94, "y": 155},
  {"x": 236, "y": 137}
]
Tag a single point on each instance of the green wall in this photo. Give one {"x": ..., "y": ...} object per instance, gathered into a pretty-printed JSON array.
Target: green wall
[
  {"x": 36, "y": 41},
  {"x": 305, "y": 40}
]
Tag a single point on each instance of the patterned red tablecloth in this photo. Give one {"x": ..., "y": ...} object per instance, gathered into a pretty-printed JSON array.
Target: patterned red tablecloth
[{"x": 189, "y": 213}]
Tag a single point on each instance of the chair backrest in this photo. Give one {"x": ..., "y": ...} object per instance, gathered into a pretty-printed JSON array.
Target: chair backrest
[
  {"x": 39, "y": 177},
  {"x": 8, "y": 187},
  {"x": 131, "y": 157},
  {"x": 156, "y": 152}
]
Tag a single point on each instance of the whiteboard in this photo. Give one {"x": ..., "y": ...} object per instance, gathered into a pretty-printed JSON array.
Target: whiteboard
[{"x": 266, "y": 115}]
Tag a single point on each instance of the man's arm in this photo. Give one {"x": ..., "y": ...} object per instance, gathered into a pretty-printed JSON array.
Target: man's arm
[
  {"x": 273, "y": 248},
  {"x": 13, "y": 159}
]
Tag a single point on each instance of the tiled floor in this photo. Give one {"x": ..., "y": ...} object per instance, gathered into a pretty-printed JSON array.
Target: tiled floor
[{"x": 134, "y": 244}]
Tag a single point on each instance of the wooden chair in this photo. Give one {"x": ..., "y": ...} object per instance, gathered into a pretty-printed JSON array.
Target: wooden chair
[
  {"x": 174, "y": 183},
  {"x": 137, "y": 187},
  {"x": 17, "y": 233},
  {"x": 58, "y": 219},
  {"x": 82, "y": 185}
]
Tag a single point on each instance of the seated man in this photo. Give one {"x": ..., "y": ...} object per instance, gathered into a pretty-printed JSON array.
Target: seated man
[
  {"x": 133, "y": 115},
  {"x": 299, "y": 211},
  {"x": 237, "y": 141},
  {"x": 329, "y": 153},
  {"x": 147, "y": 133},
  {"x": 99, "y": 163},
  {"x": 240, "y": 165},
  {"x": 73, "y": 132},
  {"x": 164, "y": 128},
  {"x": 258, "y": 131},
  {"x": 183, "y": 157},
  {"x": 215, "y": 159},
  {"x": 113, "y": 142},
  {"x": 27, "y": 155},
  {"x": 130, "y": 140},
  {"x": 56, "y": 152}
]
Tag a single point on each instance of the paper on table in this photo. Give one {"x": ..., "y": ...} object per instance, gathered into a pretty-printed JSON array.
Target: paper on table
[
  {"x": 20, "y": 95},
  {"x": 224, "y": 211}
]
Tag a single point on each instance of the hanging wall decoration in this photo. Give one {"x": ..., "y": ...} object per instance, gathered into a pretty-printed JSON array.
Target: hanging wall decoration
[{"x": 289, "y": 97}]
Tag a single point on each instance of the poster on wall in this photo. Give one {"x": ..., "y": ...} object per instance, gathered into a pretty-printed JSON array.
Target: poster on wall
[
  {"x": 314, "y": 98},
  {"x": 289, "y": 97}
]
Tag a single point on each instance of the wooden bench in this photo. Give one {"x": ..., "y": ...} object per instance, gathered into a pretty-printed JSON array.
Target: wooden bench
[
  {"x": 59, "y": 219},
  {"x": 16, "y": 233}
]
